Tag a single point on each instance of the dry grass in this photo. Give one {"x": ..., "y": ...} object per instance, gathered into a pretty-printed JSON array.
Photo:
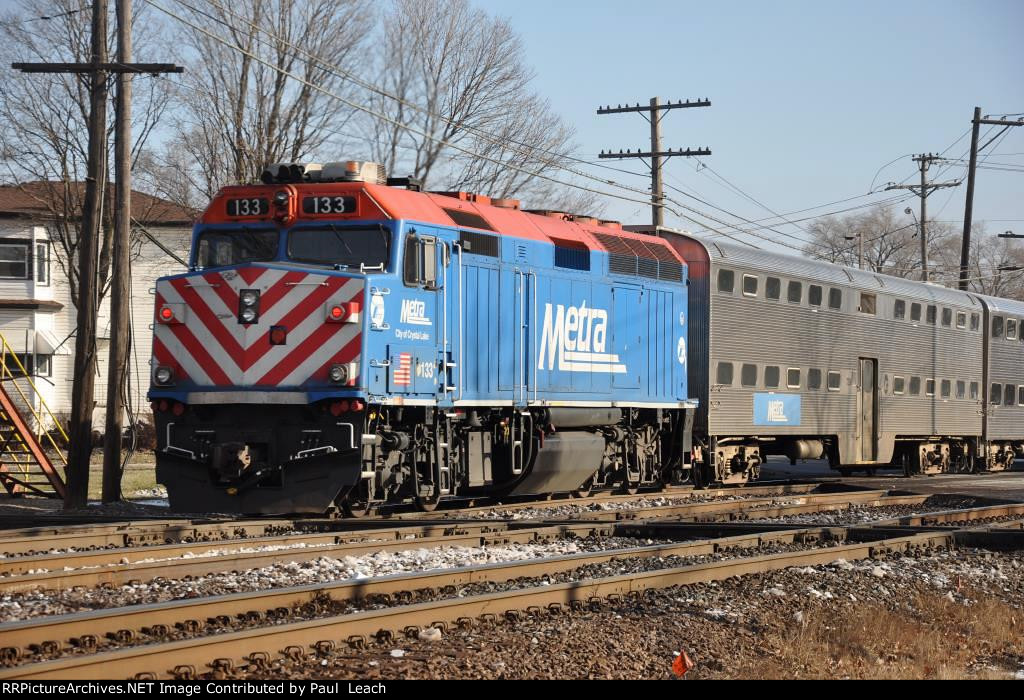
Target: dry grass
[
  {"x": 136, "y": 478},
  {"x": 935, "y": 639}
]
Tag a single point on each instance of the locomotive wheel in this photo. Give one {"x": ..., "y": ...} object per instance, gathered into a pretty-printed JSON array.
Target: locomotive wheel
[
  {"x": 427, "y": 504},
  {"x": 357, "y": 502}
]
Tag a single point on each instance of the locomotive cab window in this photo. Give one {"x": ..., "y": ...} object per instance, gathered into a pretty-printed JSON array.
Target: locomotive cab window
[
  {"x": 867, "y": 303},
  {"x": 724, "y": 375},
  {"x": 749, "y": 286},
  {"x": 947, "y": 317},
  {"x": 345, "y": 247},
  {"x": 794, "y": 292},
  {"x": 771, "y": 377},
  {"x": 772, "y": 288},
  {"x": 961, "y": 319},
  {"x": 997, "y": 326},
  {"x": 748, "y": 375},
  {"x": 833, "y": 380},
  {"x": 814, "y": 295},
  {"x": 835, "y": 298},
  {"x": 899, "y": 385},
  {"x": 1011, "y": 329},
  {"x": 915, "y": 313},
  {"x": 899, "y": 310},
  {"x": 793, "y": 378},
  {"x": 223, "y": 247},
  {"x": 996, "y": 395},
  {"x": 931, "y": 315},
  {"x": 726, "y": 281}
]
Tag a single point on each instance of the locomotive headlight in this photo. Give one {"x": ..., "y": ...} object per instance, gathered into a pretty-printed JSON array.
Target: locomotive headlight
[
  {"x": 247, "y": 315},
  {"x": 248, "y": 306},
  {"x": 163, "y": 375},
  {"x": 338, "y": 374},
  {"x": 248, "y": 297}
]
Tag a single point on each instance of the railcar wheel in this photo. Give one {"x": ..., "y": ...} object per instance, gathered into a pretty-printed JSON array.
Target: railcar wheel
[
  {"x": 357, "y": 502},
  {"x": 427, "y": 504}
]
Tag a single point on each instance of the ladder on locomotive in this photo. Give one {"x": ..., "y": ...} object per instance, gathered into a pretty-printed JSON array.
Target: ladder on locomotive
[{"x": 26, "y": 466}]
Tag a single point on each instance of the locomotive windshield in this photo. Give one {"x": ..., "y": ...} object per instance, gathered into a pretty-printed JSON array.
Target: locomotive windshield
[
  {"x": 366, "y": 246},
  {"x": 221, "y": 247}
]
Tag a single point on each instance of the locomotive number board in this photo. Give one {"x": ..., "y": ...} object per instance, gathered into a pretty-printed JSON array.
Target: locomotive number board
[
  {"x": 249, "y": 206},
  {"x": 322, "y": 205}
]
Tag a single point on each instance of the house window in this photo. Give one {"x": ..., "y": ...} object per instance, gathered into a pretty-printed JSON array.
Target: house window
[
  {"x": 833, "y": 381},
  {"x": 794, "y": 292},
  {"x": 899, "y": 385},
  {"x": 726, "y": 280},
  {"x": 43, "y": 264},
  {"x": 899, "y": 310},
  {"x": 772, "y": 288},
  {"x": 867, "y": 304},
  {"x": 36, "y": 366},
  {"x": 835, "y": 298},
  {"x": 14, "y": 264},
  {"x": 771, "y": 377}
]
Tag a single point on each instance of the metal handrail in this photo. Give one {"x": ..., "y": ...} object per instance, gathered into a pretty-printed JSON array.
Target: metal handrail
[{"x": 6, "y": 373}]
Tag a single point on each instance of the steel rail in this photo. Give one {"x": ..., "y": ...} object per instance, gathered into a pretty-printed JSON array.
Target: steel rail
[{"x": 258, "y": 646}]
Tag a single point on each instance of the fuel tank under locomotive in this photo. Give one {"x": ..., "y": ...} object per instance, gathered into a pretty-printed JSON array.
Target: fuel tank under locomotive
[{"x": 246, "y": 459}]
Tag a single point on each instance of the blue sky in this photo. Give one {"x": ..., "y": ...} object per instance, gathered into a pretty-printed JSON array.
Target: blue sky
[{"x": 809, "y": 99}]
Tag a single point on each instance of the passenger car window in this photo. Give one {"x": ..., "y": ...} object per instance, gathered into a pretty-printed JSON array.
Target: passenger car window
[
  {"x": 961, "y": 319},
  {"x": 975, "y": 322},
  {"x": 929, "y": 387},
  {"x": 726, "y": 280},
  {"x": 795, "y": 292},
  {"x": 915, "y": 312},
  {"x": 749, "y": 286},
  {"x": 945, "y": 388},
  {"x": 793, "y": 378},
  {"x": 724, "y": 375},
  {"x": 814, "y": 295},
  {"x": 974, "y": 391},
  {"x": 748, "y": 375},
  {"x": 1020, "y": 396},
  {"x": 1011, "y": 394},
  {"x": 833, "y": 381},
  {"x": 899, "y": 385},
  {"x": 996, "y": 395},
  {"x": 930, "y": 315},
  {"x": 899, "y": 310},
  {"x": 772, "y": 288},
  {"x": 961, "y": 389},
  {"x": 771, "y": 377},
  {"x": 997, "y": 326},
  {"x": 867, "y": 303},
  {"x": 835, "y": 298},
  {"x": 947, "y": 317},
  {"x": 814, "y": 379},
  {"x": 915, "y": 386},
  {"x": 1011, "y": 329}
]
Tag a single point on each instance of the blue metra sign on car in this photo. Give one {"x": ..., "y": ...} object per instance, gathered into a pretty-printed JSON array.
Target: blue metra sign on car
[{"x": 776, "y": 409}]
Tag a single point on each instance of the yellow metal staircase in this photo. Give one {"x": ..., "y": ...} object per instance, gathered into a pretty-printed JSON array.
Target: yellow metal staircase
[{"x": 31, "y": 462}]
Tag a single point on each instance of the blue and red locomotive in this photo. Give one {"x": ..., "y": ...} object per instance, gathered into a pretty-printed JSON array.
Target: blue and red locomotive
[{"x": 342, "y": 341}]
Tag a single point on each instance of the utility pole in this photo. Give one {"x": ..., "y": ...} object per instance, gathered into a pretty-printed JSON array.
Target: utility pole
[
  {"x": 83, "y": 391},
  {"x": 965, "y": 244},
  {"x": 924, "y": 161},
  {"x": 656, "y": 155},
  {"x": 860, "y": 248}
]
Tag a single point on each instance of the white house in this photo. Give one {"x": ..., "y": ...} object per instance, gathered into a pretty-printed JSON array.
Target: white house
[{"x": 37, "y": 316}]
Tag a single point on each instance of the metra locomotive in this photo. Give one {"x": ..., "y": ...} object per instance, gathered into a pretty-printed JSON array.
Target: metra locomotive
[{"x": 342, "y": 341}]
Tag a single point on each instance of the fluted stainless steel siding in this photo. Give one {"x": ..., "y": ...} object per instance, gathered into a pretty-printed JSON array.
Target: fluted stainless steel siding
[{"x": 1006, "y": 366}]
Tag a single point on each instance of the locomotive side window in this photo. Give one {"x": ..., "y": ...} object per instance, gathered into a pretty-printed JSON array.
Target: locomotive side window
[
  {"x": 1011, "y": 329},
  {"x": 833, "y": 381},
  {"x": 814, "y": 295},
  {"x": 996, "y": 395},
  {"x": 772, "y": 288},
  {"x": 975, "y": 322},
  {"x": 915, "y": 312},
  {"x": 961, "y": 319},
  {"x": 218, "y": 248},
  {"x": 1011, "y": 394},
  {"x": 419, "y": 266},
  {"x": 867, "y": 303},
  {"x": 931, "y": 315},
  {"x": 795, "y": 292},
  {"x": 915, "y": 386},
  {"x": 749, "y": 286},
  {"x": 961, "y": 389},
  {"x": 835, "y": 298},
  {"x": 748, "y": 375},
  {"x": 997, "y": 326},
  {"x": 814, "y": 379},
  {"x": 771, "y": 377},
  {"x": 929, "y": 387},
  {"x": 899, "y": 385},
  {"x": 945, "y": 388},
  {"x": 899, "y": 310},
  {"x": 726, "y": 280},
  {"x": 947, "y": 317},
  {"x": 974, "y": 391},
  {"x": 793, "y": 378},
  {"x": 724, "y": 375}
]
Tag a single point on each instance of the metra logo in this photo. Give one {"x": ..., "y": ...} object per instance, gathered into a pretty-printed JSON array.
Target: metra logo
[
  {"x": 777, "y": 412},
  {"x": 414, "y": 312},
  {"x": 570, "y": 333}
]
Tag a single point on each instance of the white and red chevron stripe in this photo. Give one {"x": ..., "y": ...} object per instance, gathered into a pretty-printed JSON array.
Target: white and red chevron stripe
[
  {"x": 211, "y": 348},
  {"x": 403, "y": 372}
]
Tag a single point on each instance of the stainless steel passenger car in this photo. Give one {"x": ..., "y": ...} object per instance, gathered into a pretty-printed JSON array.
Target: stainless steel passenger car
[{"x": 808, "y": 359}]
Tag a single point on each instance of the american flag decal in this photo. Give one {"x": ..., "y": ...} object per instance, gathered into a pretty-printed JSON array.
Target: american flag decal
[
  {"x": 209, "y": 347},
  {"x": 403, "y": 372}
]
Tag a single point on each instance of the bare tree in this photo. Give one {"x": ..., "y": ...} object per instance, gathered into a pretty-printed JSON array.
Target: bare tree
[
  {"x": 44, "y": 139},
  {"x": 240, "y": 110},
  {"x": 996, "y": 265},
  {"x": 458, "y": 77}
]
